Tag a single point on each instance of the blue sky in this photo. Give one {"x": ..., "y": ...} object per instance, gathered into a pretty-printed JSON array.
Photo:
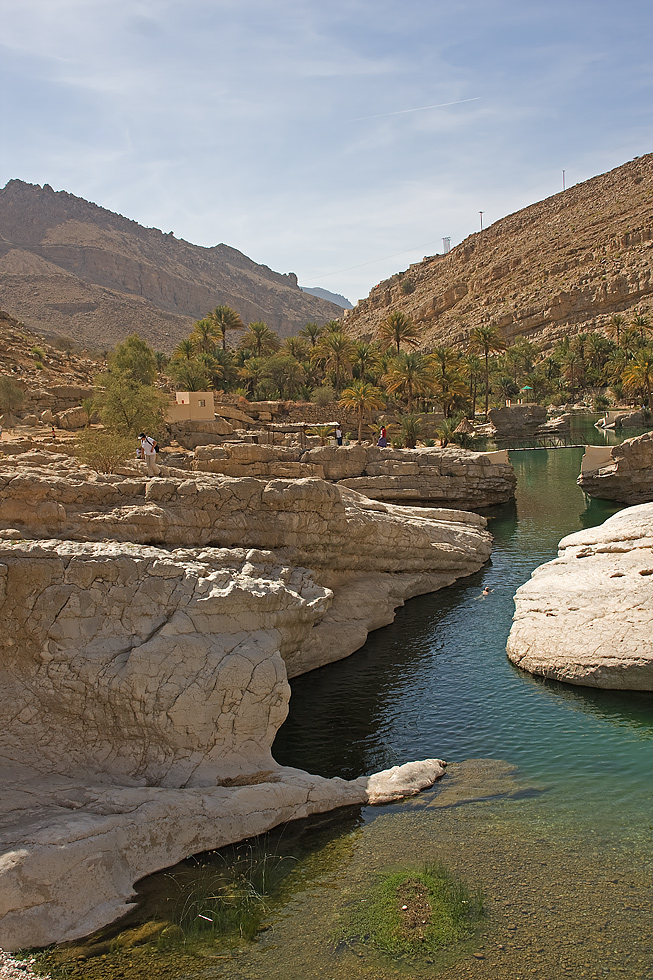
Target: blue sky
[{"x": 279, "y": 127}]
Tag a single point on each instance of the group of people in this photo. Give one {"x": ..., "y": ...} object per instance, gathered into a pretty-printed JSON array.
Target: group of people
[{"x": 382, "y": 441}]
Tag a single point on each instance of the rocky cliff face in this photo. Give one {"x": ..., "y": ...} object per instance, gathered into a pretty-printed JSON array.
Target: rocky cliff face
[
  {"x": 586, "y": 617},
  {"x": 70, "y": 267},
  {"x": 627, "y": 477},
  {"x": 560, "y": 266},
  {"x": 449, "y": 477},
  {"x": 141, "y": 686}
]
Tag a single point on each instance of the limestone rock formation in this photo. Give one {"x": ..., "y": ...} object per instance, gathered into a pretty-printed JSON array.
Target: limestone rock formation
[
  {"x": 627, "y": 476},
  {"x": 587, "y": 617},
  {"x": 145, "y": 652},
  {"x": 70, "y": 267},
  {"x": 450, "y": 477}
]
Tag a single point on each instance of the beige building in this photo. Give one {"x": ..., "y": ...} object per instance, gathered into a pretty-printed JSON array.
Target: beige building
[{"x": 192, "y": 405}]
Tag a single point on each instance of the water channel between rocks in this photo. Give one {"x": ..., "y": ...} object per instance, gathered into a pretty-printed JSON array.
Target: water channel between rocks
[{"x": 555, "y": 821}]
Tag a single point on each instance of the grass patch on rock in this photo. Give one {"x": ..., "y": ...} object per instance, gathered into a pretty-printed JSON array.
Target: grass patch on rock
[{"x": 410, "y": 912}]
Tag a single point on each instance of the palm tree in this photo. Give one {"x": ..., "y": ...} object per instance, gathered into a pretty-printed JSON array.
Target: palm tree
[
  {"x": 336, "y": 351},
  {"x": 252, "y": 373},
  {"x": 203, "y": 335},
  {"x": 639, "y": 375},
  {"x": 410, "y": 426},
  {"x": 224, "y": 318},
  {"x": 615, "y": 324},
  {"x": 473, "y": 370},
  {"x": 448, "y": 381},
  {"x": 296, "y": 347},
  {"x": 486, "y": 341},
  {"x": 640, "y": 322},
  {"x": 259, "y": 338},
  {"x": 184, "y": 351},
  {"x": 332, "y": 326},
  {"x": 398, "y": 329},
  {"x": 362, "y": 397},
  {"x": 366, "y": 361},
  {"x": 311, "y": 332},
  {"x": 410, "y": 374}
]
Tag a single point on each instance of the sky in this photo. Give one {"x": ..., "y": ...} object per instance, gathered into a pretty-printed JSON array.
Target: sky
[{"x": 338, "y": 139}]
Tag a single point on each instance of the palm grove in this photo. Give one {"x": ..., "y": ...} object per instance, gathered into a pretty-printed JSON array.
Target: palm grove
[{"x": 325, "y": 364}]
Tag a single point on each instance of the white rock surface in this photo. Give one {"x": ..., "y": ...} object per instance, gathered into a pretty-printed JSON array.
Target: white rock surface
[
  {"x": 587, "y": 617},
  {"x": 141, "y": 687}
]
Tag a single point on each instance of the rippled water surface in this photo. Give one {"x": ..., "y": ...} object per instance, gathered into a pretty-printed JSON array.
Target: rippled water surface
[{"x": 556, "y": 829}]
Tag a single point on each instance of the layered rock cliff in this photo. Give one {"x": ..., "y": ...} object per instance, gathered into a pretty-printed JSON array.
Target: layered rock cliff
[
  {"x": 586, "y": 617},
  {"x": 141, "y": 686},
  {"x": 561, "y": 266},
  {"x": 72, "y": 268},
  {"x": 628, "y": 474}
]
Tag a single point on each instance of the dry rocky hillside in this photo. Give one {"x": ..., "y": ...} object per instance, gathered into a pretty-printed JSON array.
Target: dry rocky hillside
[
  {"x": 32, "y": 363},
  {"x": 71, "y": 268},
  {"x": 563, "y": 265}
]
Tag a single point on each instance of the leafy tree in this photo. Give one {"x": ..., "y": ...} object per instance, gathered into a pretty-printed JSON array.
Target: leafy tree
[
  {"x": 409, "y": 375},
  {"x": 189, "y": 374},
  {"x": 126, "y": 408},
  {"x": 285, "y": 373},
  {"x": 506, "y": 387},
  {"x": 224, "y": 318},
  {"x": 486, "y": 341},
  {"x": 11, "y": 395},
  {"x": 134, "y": 359},
  {"x": 398, "y": 329},
  {"x": 362, "y": 397}
]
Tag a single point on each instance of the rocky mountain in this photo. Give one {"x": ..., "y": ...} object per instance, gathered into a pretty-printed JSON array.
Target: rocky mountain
[
  {"x": 71, "y": 268},
  {"x": 336, "y": 298},
  {"x": 563, "y": 265}
]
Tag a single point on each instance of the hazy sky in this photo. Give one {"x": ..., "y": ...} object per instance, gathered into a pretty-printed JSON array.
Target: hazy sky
[{"x": 279, "y": 126}]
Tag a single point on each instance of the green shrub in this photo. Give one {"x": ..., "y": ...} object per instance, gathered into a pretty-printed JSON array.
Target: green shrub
[
  {"x": 11, "y": 396},
  {"x": 323, "y": 396},
  {"x": 103, "y": 451}
]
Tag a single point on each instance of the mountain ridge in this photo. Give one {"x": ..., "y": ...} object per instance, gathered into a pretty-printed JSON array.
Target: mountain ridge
[
  {"x": 70, "y": 267},
  {"x": 562, "y": 265}
]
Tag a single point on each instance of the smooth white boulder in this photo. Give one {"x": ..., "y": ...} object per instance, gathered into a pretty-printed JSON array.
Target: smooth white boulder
[{"x": 587, "y": 617}]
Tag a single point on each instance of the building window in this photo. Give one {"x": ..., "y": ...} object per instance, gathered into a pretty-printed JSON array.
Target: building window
[{"x": 201, "y": 402}]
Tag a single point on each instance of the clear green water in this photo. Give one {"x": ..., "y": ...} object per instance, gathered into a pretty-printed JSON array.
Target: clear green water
[{"x": 557, "y": 828}]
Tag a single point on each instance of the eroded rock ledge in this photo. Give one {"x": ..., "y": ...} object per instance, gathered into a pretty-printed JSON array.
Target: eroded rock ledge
[
  {"x": 141, "y": 687},
  {"x": 587, "y": 617}
]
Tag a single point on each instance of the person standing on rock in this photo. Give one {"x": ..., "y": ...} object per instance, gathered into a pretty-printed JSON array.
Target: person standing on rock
[
  {"x": 148, "y": 452},
  {"x": 338, "y": 434},
  {"x": 383, "y": 438}
]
